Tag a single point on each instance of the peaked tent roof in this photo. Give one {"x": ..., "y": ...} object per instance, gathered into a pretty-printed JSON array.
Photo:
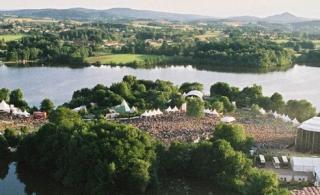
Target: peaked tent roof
[
  {"x": 123, "y": 107},
  {"x": 4, "y": 107}
]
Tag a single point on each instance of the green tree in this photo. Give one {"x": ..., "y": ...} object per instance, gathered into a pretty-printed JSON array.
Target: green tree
[
  {"x": 300, "y": 109},
  {"x": 260, "y": 182},
  {"x": 221, "y": 89},
  {"x": 3, "y": 145},
  {"x": 187, "y": 87},
  {"x": 47, "y": 105},
  {"x": 234, "y": 134},
  {"x": 4, "y": 94},
  {"x": 195, "y": 107},
  {"x": 278, "y": 104},
  {"x": 231, "y": 167},
  {"x": 17, "y": 99}
]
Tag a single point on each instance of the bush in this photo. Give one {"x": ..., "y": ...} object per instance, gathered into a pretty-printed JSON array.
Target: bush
[
  {"x": 100, "y": 156},
  {"x": 195, "y": 107}
]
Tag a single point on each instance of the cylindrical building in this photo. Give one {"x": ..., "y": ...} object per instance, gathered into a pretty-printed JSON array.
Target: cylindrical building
[{"x": 308, "y": 136}]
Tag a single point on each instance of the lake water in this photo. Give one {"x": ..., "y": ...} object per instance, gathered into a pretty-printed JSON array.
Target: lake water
[
  {"x": 16, "y": 179},
  {"x": 58, "y": 83}
]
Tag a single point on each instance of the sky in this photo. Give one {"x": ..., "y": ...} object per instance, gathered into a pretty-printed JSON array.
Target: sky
[{"x": 218, "y": 8}]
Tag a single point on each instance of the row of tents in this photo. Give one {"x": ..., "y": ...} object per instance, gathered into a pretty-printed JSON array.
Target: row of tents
[
  {"x": 150, "y": 113},
  {"x": 4, "y": 107},
  {"x": 283, "y": 117}
]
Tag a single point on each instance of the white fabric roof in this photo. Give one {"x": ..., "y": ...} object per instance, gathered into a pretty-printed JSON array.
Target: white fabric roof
[
  {"x": 228, "y": 119},
  {"x": 79, "y": 108},
  {"x": 195, "y": 93},
  {"x": 305, "y": 163},
  {"x": 4, "y": 107},
  {"x": 126, "y": 106},
  {"x": 312, "y": 124}
]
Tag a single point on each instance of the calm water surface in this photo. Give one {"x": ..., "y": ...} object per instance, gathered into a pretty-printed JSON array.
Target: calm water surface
[
  {"x": 58, "y": 83},
  {"x": 16, "y": 179}
]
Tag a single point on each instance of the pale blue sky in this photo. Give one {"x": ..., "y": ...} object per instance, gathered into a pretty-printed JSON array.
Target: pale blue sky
[{"x": 220, "y": 8}]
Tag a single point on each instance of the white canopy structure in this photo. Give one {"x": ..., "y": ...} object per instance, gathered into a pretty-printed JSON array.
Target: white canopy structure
[
  {"x": 262, "y": 111},
  {"x": 287, "y": 118},
  {"x": 304, "y": 164},
  {"x": 26, "y": 114},
  {"x": 159, "y": 112},
  {"x": 133, "y": 109},
  {"x": 228, "y": 119},
  {"x": 175, "y": 109},
  {"x": 211, "y": 112},
  {"x": 4, "y": 107},
  {"x": 195, "y": 93},
  {"x": 184, "y": 107},
  {"x": 150, "y": 113},
  {"x": 169, "y": 109},
  {"x": 20, "y": 113},
  {"x": 312, "y": 124},
  {"x": 78, "y": 109},
  {"x": 123, "y": 107},
  {"x": 295, "y": 122}
]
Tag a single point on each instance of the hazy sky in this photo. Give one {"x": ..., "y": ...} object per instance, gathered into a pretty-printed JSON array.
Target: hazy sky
[{"x": 220, "y": 8}]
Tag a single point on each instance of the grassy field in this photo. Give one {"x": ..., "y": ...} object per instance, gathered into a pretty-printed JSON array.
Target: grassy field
[
  {"x": 11, "y": 37},
  {"x": 208, "y": 35},
  {"x": 119, "y": 58}
]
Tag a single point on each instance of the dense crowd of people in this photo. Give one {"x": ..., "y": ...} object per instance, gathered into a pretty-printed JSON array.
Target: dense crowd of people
[
  {"x": 10, "y": 121},
  {"x": 268, "y": 132},
  {"x": 176, "y": 126}
]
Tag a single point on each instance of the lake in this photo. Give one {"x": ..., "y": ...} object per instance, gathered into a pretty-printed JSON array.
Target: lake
[{"x": 58, "y": 83}]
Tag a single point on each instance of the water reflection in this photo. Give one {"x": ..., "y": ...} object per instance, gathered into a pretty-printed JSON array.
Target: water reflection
[{"x": 16, "y": 179}]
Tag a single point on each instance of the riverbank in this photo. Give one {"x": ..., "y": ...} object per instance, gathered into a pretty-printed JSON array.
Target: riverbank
[{"x": 151, "y": 61}]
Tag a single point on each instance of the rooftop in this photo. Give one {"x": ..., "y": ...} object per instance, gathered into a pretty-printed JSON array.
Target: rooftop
[{"x": 312, "y": 124}]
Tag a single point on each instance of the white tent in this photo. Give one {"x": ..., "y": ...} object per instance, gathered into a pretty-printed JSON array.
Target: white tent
[
  {"x": 228, "y": 119},
  {"x": 123, "y": 107},
  {"x": 275, "y": 114},
  {"x": 78, "y": 109},
  {"x": 295, "y": 122},
  {"x": 211, "y": 112},
  {"x": 287, "y": 118},
  {"x": 214, "y": 112},
  {"x": 145, "y": 114},
  {"x": 304, "y": 164},
  {"x": 196, "y": 93},
  {"x": 262, "y": 111},
  {"x": 159, "y": 112},
  {"x": 169, "y": 109},
  {"x": 175, "y": 109},
  {"x": 184, "y": 107},
  {"x": 4, "y": 107},
  {"x": 26, "y": 114},
  {"x": 133, "y": 109}
]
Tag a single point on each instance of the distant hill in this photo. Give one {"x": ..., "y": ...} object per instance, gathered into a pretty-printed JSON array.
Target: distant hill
[
  {"x": 285, "y": 18},
  {"x": 115, "y": 14},
  {"x": 110, "y": 14}
]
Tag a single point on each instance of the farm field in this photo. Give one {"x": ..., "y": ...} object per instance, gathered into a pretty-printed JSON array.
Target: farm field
[
  {"x": 119, "y": 58},
  {"x": 11, "y": 37}
]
